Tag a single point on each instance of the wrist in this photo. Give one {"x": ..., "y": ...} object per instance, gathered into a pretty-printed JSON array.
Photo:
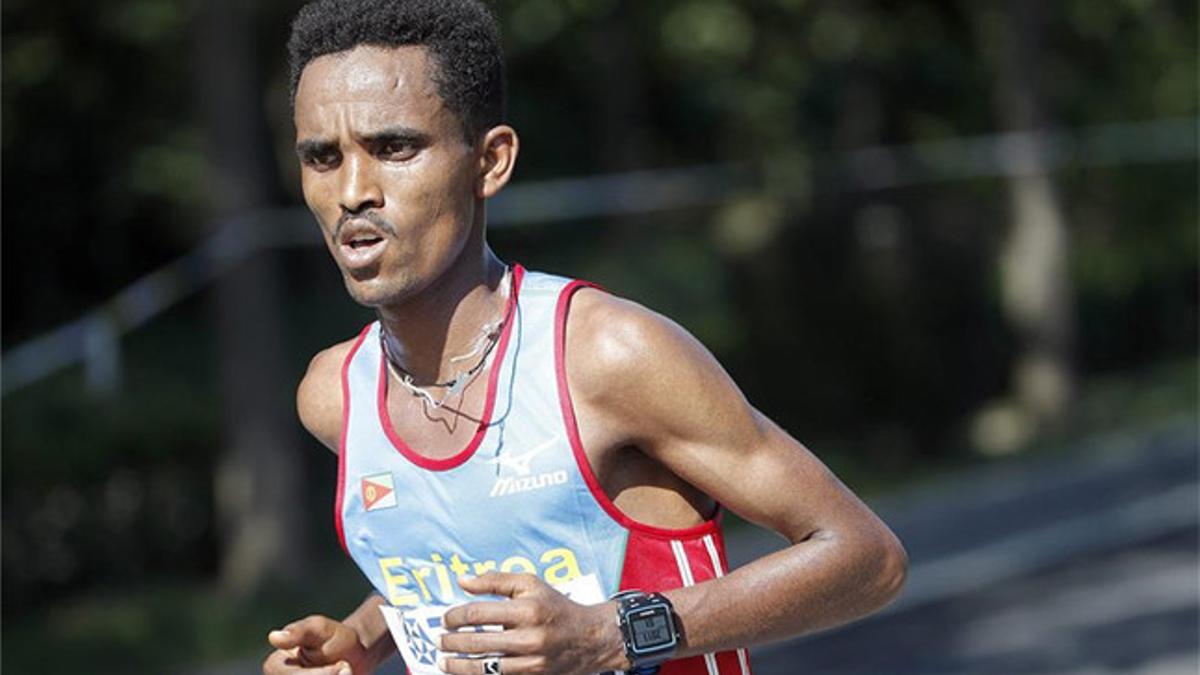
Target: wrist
[
  {"x": 371, "y": 635},
  {"x": 649, "y": 629},
  {"x": 609, "y": 641}
]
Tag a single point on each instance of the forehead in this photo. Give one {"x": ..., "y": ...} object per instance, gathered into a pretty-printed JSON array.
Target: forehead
[{"x": 378, "y": 84}]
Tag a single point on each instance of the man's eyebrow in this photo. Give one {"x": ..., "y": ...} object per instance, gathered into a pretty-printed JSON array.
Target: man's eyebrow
[
  {"x": 313, "y": 146},
  {"x": 398, "y": 133}
]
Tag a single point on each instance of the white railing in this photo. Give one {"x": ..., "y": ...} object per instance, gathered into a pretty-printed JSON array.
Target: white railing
[{"x": 94, "y": 338}]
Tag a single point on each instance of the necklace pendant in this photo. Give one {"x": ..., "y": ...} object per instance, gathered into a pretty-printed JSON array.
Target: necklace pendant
[
  {"x": 488, "y": 338},
  {"x": 456, "y": 387}
]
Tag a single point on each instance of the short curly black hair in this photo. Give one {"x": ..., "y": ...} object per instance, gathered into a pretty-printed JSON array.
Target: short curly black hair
[{"x": 461, "y": 35}]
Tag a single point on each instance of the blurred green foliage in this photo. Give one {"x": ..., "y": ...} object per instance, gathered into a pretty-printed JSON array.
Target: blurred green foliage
[
  {"x": 164, "y": 625},
  {"x": 866, "y": 322}
]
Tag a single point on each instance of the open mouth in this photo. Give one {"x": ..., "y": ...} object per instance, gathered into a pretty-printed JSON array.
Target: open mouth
[
  {"x": 361, "y": 247},
  {"x": 364, "y": 242}
]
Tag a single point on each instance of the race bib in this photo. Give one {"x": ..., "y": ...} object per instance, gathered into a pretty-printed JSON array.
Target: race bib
[
  {"x": 584, "y": 589},
  {"x": 417, "y": 631}
]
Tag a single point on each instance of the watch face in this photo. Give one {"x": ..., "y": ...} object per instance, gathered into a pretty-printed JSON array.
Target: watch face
[{"x": 650, "y": 629}]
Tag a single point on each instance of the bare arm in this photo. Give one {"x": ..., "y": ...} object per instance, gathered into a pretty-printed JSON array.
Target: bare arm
[
  {"x": 317, "y": 644},
  {"x": 372, "y": 630},
  {"x": 648, "y": 383}
]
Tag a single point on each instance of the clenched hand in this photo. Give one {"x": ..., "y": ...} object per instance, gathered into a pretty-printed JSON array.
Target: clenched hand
[{"x": 544, "y": 631}]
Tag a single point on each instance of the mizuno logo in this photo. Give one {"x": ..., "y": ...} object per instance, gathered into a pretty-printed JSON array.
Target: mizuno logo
[
  {"x": 520, "y": 463},
  {"x": 514, "y": 485}
]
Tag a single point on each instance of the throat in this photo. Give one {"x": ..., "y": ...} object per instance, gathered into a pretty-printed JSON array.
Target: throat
[
  {"x": 444, "y": 382},
  {"x": 437, "y": 432}
]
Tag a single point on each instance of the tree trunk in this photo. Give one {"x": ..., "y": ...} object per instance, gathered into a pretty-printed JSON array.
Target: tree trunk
[
  {"x": 618, "y": 94},
  {"x": 258, "y": 477},
  {"x": 1035, "y": 280}
]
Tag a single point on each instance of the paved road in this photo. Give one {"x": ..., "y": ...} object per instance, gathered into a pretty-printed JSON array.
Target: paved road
[
  {"x": 1133, "y": 610},
  {"x": 1080, "y": 564}
]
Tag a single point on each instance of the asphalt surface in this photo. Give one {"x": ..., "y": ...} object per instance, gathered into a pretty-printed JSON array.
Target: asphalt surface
[
  {"x": 1132, "y": 610},
  {"x": 1085, "y": 563}
]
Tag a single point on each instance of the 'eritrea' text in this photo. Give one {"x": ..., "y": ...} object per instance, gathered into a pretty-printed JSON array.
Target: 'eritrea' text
[{"x": 411, "y": 581}]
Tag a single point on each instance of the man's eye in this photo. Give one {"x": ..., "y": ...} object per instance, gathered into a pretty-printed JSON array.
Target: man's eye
[
  {"x": 322, "y": 160},
  {"x": 398, "y": 150}
]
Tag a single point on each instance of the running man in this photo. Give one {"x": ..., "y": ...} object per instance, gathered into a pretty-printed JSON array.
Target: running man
[{"x": 517, "y": 446}]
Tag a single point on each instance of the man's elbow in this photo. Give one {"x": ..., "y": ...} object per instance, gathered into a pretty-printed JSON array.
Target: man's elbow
[{"x": 889, "y": 570}]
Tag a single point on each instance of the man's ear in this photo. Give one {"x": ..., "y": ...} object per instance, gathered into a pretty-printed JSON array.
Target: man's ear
[{"x": 497, "y": 158}]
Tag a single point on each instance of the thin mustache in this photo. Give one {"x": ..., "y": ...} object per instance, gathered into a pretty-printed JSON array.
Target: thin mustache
[{"x": 370, "y": 216}]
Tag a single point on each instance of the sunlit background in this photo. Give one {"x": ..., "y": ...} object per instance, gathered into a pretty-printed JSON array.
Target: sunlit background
[{"x": 950, "y": 245}]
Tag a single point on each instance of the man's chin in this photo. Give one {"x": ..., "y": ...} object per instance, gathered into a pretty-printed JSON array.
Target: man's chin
[
  {"x": 366, "y": 296},
  {"x": 374, "y": 294}
]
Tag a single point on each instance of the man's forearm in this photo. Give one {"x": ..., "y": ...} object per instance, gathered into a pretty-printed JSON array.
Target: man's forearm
[
  {"x": 815, "y": 584},
  {"x": 372, "y": 630}
]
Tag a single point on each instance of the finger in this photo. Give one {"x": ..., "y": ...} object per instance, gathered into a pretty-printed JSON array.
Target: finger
[
  {"x": 309, "y": 632},
  {"x": 507, "y": 584},
  {"x": 279, "y": 663},
  {"x": 509, "y": 665},
  {"x": 506, "y": 613},
  {"x": 515, "y": 642},
  {"x": 337, "y": 645},
  {"x": 282, "y": 662},
  {"x": 281, "y": 639}
]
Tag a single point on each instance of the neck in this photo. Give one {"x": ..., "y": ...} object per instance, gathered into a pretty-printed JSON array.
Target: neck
[{"x": 445, "y": 319}]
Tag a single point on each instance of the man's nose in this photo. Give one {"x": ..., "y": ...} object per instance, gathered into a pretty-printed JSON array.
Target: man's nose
[{"x": 360, "y": 187}]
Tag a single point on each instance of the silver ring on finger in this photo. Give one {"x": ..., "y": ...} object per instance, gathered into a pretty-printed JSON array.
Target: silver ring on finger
[{"x": 491, "y": 666}]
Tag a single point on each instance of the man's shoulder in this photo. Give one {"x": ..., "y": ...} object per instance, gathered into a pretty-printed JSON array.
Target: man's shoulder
[
  {"x": 319, "y": 396},
  {"x": 611, "y": 339},
  {"x": 327, "y": 363}
]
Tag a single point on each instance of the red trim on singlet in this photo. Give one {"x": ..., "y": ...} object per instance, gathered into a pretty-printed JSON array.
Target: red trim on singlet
[
  {"x": 654, "y": 565},
  {"x": 568, "y": 411},
  {"x": 485, "y": 420},
  {"x": 341, "y": 472}
]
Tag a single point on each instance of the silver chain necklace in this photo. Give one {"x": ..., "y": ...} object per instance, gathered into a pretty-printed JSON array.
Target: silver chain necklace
[{"x": 489, "y": 337}]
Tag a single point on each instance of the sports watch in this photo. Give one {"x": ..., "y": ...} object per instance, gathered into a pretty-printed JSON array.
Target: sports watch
[{"x": 647, "y": 622}]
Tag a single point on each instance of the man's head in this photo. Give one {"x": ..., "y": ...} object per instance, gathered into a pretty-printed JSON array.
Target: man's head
[
  {"x": 398, "y": 109},
  {"x": 460, "y": 36}
]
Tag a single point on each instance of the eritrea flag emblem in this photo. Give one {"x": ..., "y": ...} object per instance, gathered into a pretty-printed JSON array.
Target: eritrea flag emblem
[{"x": 378, "y": 492}]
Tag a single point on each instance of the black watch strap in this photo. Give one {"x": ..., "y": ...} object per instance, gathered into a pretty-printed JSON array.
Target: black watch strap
[{"x": 649, "y": 628}]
